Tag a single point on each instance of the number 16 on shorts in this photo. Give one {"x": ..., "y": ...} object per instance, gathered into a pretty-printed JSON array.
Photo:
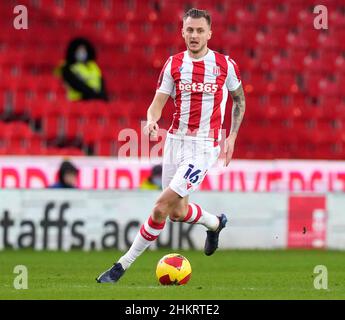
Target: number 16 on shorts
[
  {"x": 187, "y": 180},
  {"x": 192, "y": 176}
]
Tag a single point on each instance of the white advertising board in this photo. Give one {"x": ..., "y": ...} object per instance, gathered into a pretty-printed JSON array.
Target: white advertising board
[{"x": 81, "y": 219}]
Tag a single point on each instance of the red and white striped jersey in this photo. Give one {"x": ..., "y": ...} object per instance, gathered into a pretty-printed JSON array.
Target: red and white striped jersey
[{"x": 199, "y": 88}]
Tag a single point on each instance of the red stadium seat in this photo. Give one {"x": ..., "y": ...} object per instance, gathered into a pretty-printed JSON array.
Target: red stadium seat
[
  {"x": 20, "y": 103},
  {"x": 329, "y": 42},
  {"x": 51, "y": 127},
  {"x": 70, "y": 128},
  {"x": 70, "y": 151},
  {"x": 3, "y": 103},
  {"x": 337, "y": 18},
  {"x": 279, "y": 18},
  {"x": 330, "y": 87},
  {"x": 105, "y": 147}
]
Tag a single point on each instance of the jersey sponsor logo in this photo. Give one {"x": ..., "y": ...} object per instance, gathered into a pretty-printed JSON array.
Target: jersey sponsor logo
[{"x": 198, "y": 87}]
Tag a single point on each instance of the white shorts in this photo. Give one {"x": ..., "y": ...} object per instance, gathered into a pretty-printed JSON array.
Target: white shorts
[{"x": 186, "y": 162}]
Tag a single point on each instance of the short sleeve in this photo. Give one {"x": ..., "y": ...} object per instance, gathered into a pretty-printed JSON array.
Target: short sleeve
[
  {"x": 166, "y": 82},
  {"x": 233, "y": 80}
]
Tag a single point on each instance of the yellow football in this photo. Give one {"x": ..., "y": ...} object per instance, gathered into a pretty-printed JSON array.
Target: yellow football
[{"x": 173, "y": 269}]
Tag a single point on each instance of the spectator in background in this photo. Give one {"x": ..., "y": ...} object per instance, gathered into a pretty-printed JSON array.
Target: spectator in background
[
  {"x": 67, "y": 175},
  {"x": 80, "y": 72},
  {"x": 154, "y": 181}
]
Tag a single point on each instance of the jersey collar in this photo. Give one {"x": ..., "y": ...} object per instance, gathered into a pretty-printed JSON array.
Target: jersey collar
[{"x": 200, "y": 59}]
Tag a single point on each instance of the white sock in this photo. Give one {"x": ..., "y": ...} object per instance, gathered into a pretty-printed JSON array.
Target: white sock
[
  {"x": 148, "y": 232},
  {"x": 197, "y": 215}
]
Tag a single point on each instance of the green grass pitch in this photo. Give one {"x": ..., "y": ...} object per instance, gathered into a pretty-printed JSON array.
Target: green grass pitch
[{"x": 234, "y": 274}]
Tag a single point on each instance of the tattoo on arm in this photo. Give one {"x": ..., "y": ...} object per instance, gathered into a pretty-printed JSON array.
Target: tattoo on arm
[{"x": 238, "y": 109}]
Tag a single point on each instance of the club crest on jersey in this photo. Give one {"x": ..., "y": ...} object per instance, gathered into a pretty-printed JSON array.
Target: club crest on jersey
[{"x": 216, "y": 71}]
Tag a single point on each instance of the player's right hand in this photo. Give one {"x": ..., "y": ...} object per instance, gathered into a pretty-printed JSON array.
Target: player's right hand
[{"x": 151, "y": 129}]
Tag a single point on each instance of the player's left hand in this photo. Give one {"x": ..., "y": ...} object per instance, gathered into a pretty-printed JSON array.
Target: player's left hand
[
  {"x": 229, "y": 147},
  {"x": 151, "y": 129}
]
